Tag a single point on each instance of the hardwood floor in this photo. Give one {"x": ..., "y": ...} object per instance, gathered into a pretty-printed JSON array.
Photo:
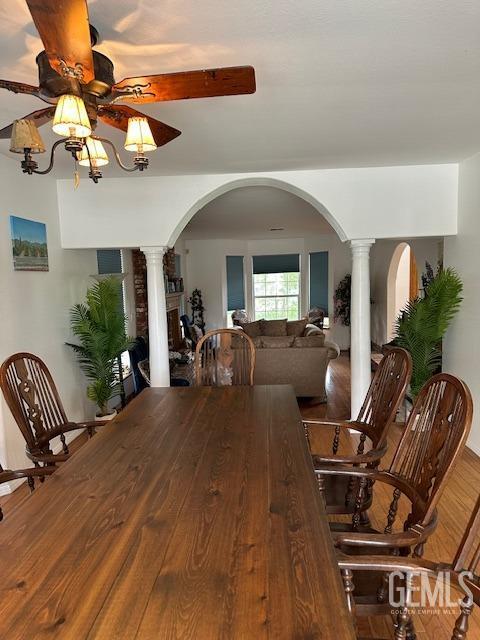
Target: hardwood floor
[{"x": 454, "y": 509}]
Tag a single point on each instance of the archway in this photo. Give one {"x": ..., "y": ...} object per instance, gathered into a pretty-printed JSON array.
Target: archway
[
  {"x": 206, "y": 190},
  {"x": 402, "y": 284},
  {"x": 253, "y": 227},
  {"x": 257, "y": 181}
]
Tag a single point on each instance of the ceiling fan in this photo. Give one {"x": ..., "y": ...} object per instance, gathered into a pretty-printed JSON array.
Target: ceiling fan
[{"x": 79, "y": 85}]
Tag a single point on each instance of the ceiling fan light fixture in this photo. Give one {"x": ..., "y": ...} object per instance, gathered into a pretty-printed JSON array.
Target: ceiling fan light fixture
[
  {"x": 139, "y": 136},
  {"x": 25, "y": 135},
  {"x": 93, "y": 151},
  {"x": 71, "y": 119}
]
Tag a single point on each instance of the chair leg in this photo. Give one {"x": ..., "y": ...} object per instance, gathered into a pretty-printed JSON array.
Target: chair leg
[
  {"x": 401, "y": 626},
  {"x": 404, "y": 619},
  {"x": 348, "y": 585},
  {"x": 91, "y": 431},
  {"x": 411, "y": 635},
  {"x": 461, "y": 624},
  {"x": 382, "y": 590},
  {"x": 307, "y": 435},
  {"x": 321, "y": 487},
  {"x": 364, "y": 519},
  {"x": 64, "y": 444},
  {"x": 336, "y": 440},
  {"x": 358, "y": 504},
  {"x": 37, "y": 464},
  {"x": 349, "y": 497},
  {"x": 31, "y": 483}
]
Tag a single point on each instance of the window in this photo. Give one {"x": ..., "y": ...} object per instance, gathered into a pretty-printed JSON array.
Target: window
[
  {"x": 277, "y": 295},
  {"x": 276, "y": 287}
]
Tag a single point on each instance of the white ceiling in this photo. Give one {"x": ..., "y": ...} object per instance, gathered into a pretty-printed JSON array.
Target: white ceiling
[
  {"x": 249, "y": 213},
  {"x": 340, "y": 83}
]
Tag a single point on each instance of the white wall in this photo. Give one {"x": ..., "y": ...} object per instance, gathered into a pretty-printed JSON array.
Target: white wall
[
  {"x": 378, "y": 202},
  {"x": 461, "y": 347},
  {"x": 424, "y": 249},
  {"x": 34, "y": 315},
  {"x": 401, "y": 287},
  {"x": 206, "y": 269}
]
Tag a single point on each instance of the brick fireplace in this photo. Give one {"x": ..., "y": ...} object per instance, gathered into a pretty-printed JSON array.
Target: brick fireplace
[{"x": 174, "y": 300}]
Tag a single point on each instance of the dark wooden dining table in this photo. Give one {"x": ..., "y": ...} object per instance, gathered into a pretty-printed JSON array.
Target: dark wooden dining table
[{"x": 195, "y": 514}]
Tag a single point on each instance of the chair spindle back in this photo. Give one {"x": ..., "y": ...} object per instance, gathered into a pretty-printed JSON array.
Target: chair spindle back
[
  {"x": 386, "y": 392},
  {"x": 225, "y": 357},
  {"x": 434, "y": 435},
  {"x": 32, "y": 397}
]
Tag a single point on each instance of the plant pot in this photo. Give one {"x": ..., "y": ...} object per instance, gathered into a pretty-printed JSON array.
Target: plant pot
[{"x": 108, "y": 416}]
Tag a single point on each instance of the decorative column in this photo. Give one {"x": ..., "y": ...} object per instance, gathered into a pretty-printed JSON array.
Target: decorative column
[
  {"x": 360, "y": 347},
  {"x": 157, "y": 317}
]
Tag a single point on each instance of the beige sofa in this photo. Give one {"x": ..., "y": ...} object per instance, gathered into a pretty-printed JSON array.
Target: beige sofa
[{"x": 299, "y": 356}]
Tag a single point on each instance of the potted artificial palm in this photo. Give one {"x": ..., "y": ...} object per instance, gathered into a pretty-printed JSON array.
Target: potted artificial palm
[
  {"x": 99, "y": 325},
  {"x": 421, "y": 326}
]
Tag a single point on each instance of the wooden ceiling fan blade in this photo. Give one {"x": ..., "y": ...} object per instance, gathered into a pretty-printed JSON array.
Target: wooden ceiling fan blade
[
  {"x": 20, "y": 87},
  {"x": 117, "y": 116},
  {"x": 226, "y": 81},
  {"x": 42, "y": 116},
  {"x": 65, "y": 32}
]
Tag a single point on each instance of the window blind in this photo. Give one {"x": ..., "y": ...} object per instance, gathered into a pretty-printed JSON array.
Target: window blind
[
  {"x": 235, "y": 283},
  {"x": 319, "y": 280},
  {"x": 109, "y": 261},
  {"x": 284, "y": 263}
]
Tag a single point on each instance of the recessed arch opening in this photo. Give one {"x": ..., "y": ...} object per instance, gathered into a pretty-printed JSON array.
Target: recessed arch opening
[
  {"x": 402, "y": 284},
  {"x": 245, "y": 182}
]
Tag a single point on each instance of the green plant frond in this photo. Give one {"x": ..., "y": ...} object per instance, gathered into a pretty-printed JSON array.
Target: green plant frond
[
  {"x": 99, "y": 326},
  {"x": 423, "y": 322}
]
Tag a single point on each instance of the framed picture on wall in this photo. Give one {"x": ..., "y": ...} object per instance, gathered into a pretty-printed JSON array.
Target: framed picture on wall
[{"x": 29, "y": 244}]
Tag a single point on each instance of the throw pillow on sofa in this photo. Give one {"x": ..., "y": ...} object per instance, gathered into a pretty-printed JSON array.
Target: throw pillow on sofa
[
  {"x": 317, "y": 340},
  {"x": 273, "y": 328},
  {"x": 296, "y": 327},
  {"x": 253, "y": 329},
  {"x": 277, "y": 342},
  {"x": 239, "y": 343}
]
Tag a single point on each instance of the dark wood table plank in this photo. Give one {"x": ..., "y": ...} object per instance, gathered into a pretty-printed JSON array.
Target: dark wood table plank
[{"x": 195, "y": 514}]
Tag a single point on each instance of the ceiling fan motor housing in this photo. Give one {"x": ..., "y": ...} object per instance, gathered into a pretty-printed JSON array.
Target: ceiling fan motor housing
[{"x": 54, "y": 85}]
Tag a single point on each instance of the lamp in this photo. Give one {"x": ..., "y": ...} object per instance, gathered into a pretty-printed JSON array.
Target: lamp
[
  {"x": 26, "y": 139},
  {"x": 139, "y": 136},
  {"x": 25, "y": 135},
  {"x": 71, "y": 119},
  {"x": 93, "y": 153}
]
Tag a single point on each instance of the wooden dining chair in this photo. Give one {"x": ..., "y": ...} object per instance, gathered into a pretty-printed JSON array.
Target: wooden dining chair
[
  {"x": 434, "y": 436},
  {"x": 224, "y": 357},
  {"x": 461, "y": 573},
  {"x": 7, "y": 475},
  {"x": 33, "y": 399},
  {"x": 376, "y": 415}
]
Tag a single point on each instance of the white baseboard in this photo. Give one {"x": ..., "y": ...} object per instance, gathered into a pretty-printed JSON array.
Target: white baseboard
[{"x": 5, "y": 489}]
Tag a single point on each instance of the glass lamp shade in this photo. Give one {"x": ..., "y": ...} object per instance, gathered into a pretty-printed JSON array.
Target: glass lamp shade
[
  {"x": 98, "y": 155},
  {"x": 25, "y": 135},
  {"x": 71, "y": 119},
  {"x": 139, "y": 136}
]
